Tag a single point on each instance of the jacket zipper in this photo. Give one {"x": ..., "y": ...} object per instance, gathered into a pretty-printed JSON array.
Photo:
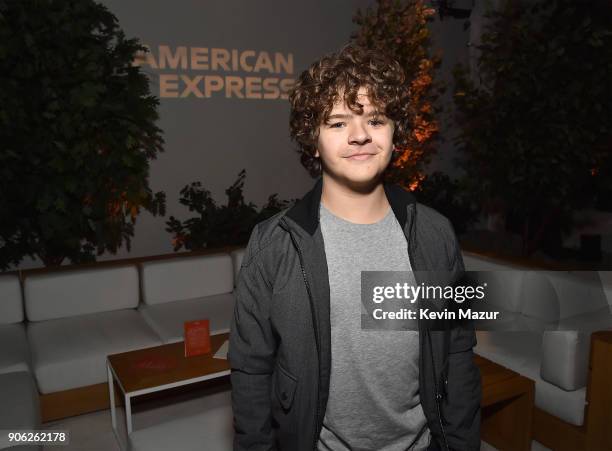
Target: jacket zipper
[
  {"x": 316, "y": 330},
  {"x": 437, "y": 395}
]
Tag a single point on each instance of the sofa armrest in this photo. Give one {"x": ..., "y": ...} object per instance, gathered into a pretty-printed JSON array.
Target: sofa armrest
[{"x": 565, "y": 358}]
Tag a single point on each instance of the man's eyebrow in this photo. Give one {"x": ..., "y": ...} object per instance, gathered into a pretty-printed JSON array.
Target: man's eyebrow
[{"x": 347, "y": 116}]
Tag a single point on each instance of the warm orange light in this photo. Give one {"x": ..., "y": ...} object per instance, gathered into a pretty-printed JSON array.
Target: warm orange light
[
  {"x": 178, "y": 240},
  {"x": 415, "y": 183},
  {"x": 121, "y": 206}
]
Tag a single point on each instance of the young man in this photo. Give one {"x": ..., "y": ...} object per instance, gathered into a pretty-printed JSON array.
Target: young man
[{"x": 305, "y": 375}]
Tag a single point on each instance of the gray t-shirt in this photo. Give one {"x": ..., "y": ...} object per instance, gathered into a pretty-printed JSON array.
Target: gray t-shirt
[{"x": 374, "y": 399}]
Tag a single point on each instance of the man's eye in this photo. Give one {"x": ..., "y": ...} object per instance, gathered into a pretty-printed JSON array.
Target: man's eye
[
  {"x": 336, "y": 125},
  {"x": 377, "y": 122}
]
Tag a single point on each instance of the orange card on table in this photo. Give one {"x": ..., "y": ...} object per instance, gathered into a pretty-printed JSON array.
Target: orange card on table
[{"x": 197, "y": 337}]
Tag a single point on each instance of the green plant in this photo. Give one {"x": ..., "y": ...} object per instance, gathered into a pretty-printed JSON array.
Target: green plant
[
  {"x": 536, "y": 132},
  {"x": 399, "y": 29},
  {"x": 77, "y": 131},
  {"x": 216, "y": 225}
]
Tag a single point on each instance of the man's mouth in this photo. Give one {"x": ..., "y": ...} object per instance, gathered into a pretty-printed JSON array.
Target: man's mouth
[{"x": 361, "y": 156}]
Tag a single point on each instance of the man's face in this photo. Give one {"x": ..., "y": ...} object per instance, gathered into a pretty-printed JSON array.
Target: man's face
[{"x": 355, "y": 148}]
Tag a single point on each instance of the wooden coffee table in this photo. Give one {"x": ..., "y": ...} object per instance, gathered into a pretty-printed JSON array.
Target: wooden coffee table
[
  {"x": 159, "y": 368},
  {"x": 507, "y": 406}
]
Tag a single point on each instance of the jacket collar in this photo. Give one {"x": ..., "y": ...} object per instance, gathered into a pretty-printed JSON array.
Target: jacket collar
[{"x": 305, "y": 212}]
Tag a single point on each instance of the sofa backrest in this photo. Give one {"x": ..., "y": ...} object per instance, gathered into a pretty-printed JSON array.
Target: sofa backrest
[
  {"x": 606, "y": 281},
  {"x": 544, "y": 296},
  {"x": 556, "y": 295},
  {"x": 11, "y": 301},
  {"x": 80, "y": 292},
  {"x": 475, "y": 262},
  {"x": 186, "y": 278},
  {"x": 504, "y": 282}
]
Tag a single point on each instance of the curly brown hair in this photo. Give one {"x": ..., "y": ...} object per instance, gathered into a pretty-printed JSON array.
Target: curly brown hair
[{"x": 320, "y": 86}]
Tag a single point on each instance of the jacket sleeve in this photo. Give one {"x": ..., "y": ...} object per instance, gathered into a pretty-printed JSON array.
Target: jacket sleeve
[
  {"x": 251, "y": 355},
  {"x": 461, "y": 405}
]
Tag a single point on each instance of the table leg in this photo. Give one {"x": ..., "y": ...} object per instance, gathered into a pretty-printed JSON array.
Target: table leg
[
  {"x": 111, "y": 391},
  {"x": 128, "y": 414}
]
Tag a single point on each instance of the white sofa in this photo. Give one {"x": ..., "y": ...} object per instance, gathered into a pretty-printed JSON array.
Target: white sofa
[
  {"x": 14, "y": 348},
  {"x": 17, "y": 386},
  {"x": 76, "y": 318},
  {"x": 556, "y": 360},
  {"x": 187, "y": 289},
  {"x": 57, "y": 336}
]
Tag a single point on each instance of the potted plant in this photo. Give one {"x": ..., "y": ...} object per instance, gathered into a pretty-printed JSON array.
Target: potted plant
[
  {"x": 399, "y": 29},
  {"x": 535, "y": 134},
  {"x": 77, "y": 133},
  {"x": 219, "y": 225}
]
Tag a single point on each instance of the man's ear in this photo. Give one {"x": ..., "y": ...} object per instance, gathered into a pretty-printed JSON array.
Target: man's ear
[{"x": 316, "y": 153}]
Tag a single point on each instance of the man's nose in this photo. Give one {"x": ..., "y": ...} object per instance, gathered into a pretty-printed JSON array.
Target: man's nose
[{"x": 359, "y": 134}]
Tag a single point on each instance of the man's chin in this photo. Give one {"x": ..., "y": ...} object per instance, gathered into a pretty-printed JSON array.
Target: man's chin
[{"x": 361, "y": 182}]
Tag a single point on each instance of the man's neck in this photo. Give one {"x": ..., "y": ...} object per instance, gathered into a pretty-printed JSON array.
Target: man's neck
[{"x": 360, "y": 205}]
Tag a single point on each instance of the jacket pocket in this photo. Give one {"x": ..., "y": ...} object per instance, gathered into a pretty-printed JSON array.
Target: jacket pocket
[{"x": 285, "y": 387}]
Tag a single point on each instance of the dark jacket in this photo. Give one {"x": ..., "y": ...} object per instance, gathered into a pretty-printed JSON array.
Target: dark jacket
[{"x": 280, "y": 346}]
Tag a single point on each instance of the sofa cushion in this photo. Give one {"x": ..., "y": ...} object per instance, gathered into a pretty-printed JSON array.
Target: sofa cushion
[
  {"x": 237, "y": 256},
  {"x": 72, "y": 293},
  {"x": 11, "y": 304},
  {"x": 15, "y": 350},
  {"x": 178, "y": 279},
  {"x": 71, "y": 352},
  {"x": 566, "y": 405},
  {"x": 565, "y": 358},
  {"x": 20, "y": 404},
  {"x": 168, "y": 319},
  {"x": 211, "y": 429},
  {"x": 521, "y": 352},
  {"x": 565, "y": 353}
]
